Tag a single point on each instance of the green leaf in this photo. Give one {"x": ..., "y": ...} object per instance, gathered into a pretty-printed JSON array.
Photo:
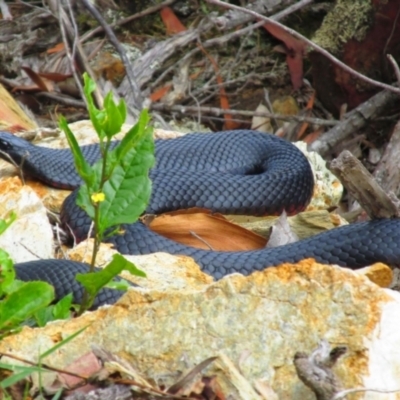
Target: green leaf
[
  {"x": 7, "y": 272},
  {"x": 96, "y": 116},
  {"x": 61, "y": 309},
  {"x": 94, "y": 281},
  {"x": 61, "y": 344},
  {"x": 44, "y": 315},
  {"x": 120, "y": 285},
  {"x": 84, "y": 169},
  {"x": 14, "y": 286},
  {"x": 83, "y": 200},
  {"x": 5, "y": 223},
  {"x": 24, "y": 302},
  {"x": 128, "y": 191},
  {"x": 133, "y": 136},
  {"x": 116, "y": 115},
  {"x": 22, "y": 372}
]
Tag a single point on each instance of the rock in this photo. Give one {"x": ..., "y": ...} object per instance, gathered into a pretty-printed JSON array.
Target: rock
[
  {"x": 327, "y": 188},
  {"x": 164, "y": 271},
  {"x": 304, "y": 224},
  {"x": 268, "y": 315},
  {"x": 379, "y": 273},
  {"x": 30, "y": 236}
]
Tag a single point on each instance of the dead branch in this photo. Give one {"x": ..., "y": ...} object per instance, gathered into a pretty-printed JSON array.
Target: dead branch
[
  {"x": 353, "y": 121},
  {"x": 362, "y": 186}
]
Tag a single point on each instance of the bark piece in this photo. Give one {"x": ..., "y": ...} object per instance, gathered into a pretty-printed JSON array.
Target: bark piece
[
  {"x": 362, "y": 186},
  {"x": 315, "y": 370},
  {"x": 387, "y": 173},
  {"x": 354, "y": 121}
]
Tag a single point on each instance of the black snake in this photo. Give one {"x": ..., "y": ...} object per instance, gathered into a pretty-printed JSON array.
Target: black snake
[{"x": 234, "y": 172}]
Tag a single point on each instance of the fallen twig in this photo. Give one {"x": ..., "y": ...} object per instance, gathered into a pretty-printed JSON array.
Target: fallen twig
[
  {"x": 353, "y": 121},
  {"x": 219, "y": 112}
]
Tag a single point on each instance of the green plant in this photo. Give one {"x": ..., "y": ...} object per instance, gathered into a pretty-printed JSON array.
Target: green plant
[
  {"x": 24, "y": 301},
  {"x": 117, "y": 188},
  {"x": 21, "y": 372}
]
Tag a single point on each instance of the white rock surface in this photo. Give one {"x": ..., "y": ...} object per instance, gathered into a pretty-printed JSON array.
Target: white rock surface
[{"x": 30, "y": 236}]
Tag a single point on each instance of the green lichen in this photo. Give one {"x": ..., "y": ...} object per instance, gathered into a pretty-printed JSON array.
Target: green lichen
[{"x": 349, "y": 19}]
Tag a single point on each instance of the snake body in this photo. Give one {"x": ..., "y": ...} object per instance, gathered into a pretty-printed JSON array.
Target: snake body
[{"x": 234, "y": 172}]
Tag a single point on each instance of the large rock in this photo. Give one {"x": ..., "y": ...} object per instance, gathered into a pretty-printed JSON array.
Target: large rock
[{"x": 269, "y": 315}]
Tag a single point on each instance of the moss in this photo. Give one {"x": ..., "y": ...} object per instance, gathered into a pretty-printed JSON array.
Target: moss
[{"x": 349, "y": 19}]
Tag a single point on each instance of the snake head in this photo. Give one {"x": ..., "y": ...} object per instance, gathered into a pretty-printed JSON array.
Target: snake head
[{"x": 12, "y": 147}]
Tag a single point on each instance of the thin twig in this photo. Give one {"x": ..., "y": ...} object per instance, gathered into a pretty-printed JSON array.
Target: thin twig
[
  {"x": 54, "y": 369},
  {"x": 131, "y": 18},
  {"x": 69, "y": 53},
  {"x": 219, "y": 111},
  {"x": 63, "y": 99},
  {"x": 319, "y": 49},
  {"x": 201, "y": 240},
  {"x": 18, "y": 167},
  {"x": 344, "y": 393},
  {"x": 136, "y": 93},
  {"x": 395, "y": 67},
  {"x": 76, "y": 55},
  {"x": 291, "y": 9}
]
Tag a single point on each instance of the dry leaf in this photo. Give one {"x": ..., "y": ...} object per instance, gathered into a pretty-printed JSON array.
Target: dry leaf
[{"x": 198, "y": 228}]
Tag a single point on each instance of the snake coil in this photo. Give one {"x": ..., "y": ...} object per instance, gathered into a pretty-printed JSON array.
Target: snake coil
[{"x": 234, "y": 172}]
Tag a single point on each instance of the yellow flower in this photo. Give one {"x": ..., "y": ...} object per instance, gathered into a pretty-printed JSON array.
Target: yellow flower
[{"x": 98, "y": 197}]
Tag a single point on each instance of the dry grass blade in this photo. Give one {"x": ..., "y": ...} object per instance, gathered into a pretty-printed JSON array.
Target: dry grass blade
[{"x": 189, "y": 376}]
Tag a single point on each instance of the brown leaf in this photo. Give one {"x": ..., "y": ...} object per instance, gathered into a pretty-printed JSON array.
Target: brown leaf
[
  {"x": 56, "y": 49},
  {"x": 54, "y": 76},
  {"x": 198, "y": 228},
  {"x": 294, "y": 50},
  {"x": 42, "y": 83},
  {"x": 12, "y": 117}
]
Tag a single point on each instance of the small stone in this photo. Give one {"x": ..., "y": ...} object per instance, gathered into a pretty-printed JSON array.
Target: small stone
[{"x": 379, "y": 273}]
